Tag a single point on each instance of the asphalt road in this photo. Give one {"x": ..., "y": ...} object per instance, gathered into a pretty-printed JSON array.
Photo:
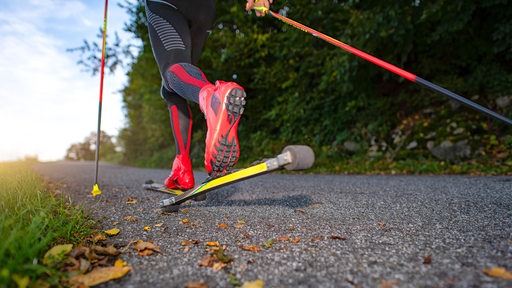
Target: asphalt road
[{"x": 350, "y": 231}]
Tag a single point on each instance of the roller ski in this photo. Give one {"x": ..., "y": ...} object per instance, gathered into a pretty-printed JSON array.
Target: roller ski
[{"x": 294, "y": 157}]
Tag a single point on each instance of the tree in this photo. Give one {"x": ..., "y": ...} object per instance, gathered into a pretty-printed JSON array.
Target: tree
[{"x": 86, "y": 150}]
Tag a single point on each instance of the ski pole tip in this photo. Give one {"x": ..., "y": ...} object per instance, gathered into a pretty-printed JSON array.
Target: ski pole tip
[{"x": 95, "y": 190}]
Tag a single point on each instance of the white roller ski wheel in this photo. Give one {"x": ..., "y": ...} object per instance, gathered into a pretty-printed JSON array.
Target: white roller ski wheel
[{"x": 303, "y": 157}]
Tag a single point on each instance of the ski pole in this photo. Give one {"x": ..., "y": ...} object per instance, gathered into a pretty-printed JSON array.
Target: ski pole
[
  {"x": 96, "y": 190},
  {"x": 390, "y": 67}
]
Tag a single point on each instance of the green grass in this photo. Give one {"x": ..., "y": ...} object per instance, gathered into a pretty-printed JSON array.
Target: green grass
[{"x": 32, "y": 219}]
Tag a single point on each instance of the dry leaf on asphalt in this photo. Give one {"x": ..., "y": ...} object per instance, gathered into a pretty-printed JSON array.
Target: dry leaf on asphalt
[
  {"x": 427, "y": 260},
  {"x": 295, "y": 240},
  {"x": 145, "y": 248},
  {"x": 283, "y": 238},
  {"x": 190, "y": 242},
  {"x": 131, "y": 219},
  {"x": 97, "y": 237},
  {"x": 212, "y": 244},
  {"x": 254, "y": 284},
  {"x": 240, "y": 224},
  {"x": 147, "y": 228},
  {"x": 252, "y": 248},
  {"x": 120, "y": 263},
  {"x": 159, "y": 224},
  {"x": 268, "y": 244},
  {"x": 100, "y": 275},
  {"x": 112, "y": 232},
  {"x": 336, "y": 237},
  {"x": 498, "y": 272},
  {"x": 131, "y": 200},
  {"x": 109, "y": 250},
  {"x": 223, "y": 225},
  {"x": 217, "y": 260}
]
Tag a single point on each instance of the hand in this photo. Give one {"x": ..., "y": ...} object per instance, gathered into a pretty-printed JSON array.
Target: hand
[{"x": 258, "y": 3}]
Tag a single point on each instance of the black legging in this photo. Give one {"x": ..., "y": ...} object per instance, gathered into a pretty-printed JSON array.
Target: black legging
[{"x": 178, "y": 30}]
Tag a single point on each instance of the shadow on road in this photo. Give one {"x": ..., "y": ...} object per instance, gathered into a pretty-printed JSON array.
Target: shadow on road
[{"x": 234, "y": 196}]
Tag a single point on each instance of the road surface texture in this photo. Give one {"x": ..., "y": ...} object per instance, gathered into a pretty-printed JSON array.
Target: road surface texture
[{"x": 327, "y": 230}]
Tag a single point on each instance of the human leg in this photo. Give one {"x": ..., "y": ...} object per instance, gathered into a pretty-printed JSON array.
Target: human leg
[{"x": 181, "y": 176}]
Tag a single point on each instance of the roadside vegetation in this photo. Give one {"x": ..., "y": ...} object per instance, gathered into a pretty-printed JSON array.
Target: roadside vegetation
[
  {"x": 33, "y": 219},
  {"x": 357, "y": 117}
]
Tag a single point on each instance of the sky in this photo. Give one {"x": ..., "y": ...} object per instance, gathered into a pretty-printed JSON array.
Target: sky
[{"x": 47, "y": 101}]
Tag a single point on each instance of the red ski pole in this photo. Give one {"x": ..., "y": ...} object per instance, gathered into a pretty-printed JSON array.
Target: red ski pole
[
  {"x": 96, "y": 190},
  {"x": 390, "y": 67}
]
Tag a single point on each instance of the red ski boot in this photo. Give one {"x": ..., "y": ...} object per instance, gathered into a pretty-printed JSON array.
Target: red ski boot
[
  {"x": 181, "y": 175},
  {"x": 222, "y": 105}
]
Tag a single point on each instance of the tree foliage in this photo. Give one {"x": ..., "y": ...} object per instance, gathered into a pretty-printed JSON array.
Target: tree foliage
[
  {"x": 86, "y": 150},
  {"x": 304, "y": 90}
]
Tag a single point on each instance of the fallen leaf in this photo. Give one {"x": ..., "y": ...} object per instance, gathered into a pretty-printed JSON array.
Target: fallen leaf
[
  {"x": 98, "y": 237},
  {"x": 316, "y": 239},
  {"x": 381, "y": 224},
  {"x": 146, "y": 252},
  {"x": 295, "y": 240},
  {"x": 207, "y": 261},
  {"x": 221, "y": 256},
  {"x": 336, "y": 237},
  {"x": 72, "y": 264},
  {"x": 143, "y": 245},
  {"x": 159, "y": 224},
  {"x": 218, "y": 266},
  {"x": 147, "y": 228},
  {"x": 84, "y": 265},
  {"x": 112, "y": 232},
  {"x": 212, "y": 244},
  {"x": 116, "y": 223},
  {"x": 252, "y": 248},
  {"x": 269, "y": 243},
  {"x": 254, "y": 284},
  {"x": 498, "y": 272},
  {"x": 196, "y": 285},
  {"x": 190, "y": 242},
  {"x": 185, "y": 221},
  {"x": 131, "y": 219},
  {"x": 217, "y": 260},
  {"x": 100, "y": 275},
  {"x": 109, "y": 250},
  {"x": 56, "y": 254},
  {"x": 240, "y": 224},
  {"x": 247, "y": 235},
  {"x": 427, "y": 260},
  {"x": 292, "y": 229},
  {"x": 131, "y": 200},
  {"x": 186, "y": 210},
  {"x": 120, "y": 263},
  {"x": 223, "y": 226},
  {"x": 283, "y": 238},
  {"x": 299, "y": 211}
]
